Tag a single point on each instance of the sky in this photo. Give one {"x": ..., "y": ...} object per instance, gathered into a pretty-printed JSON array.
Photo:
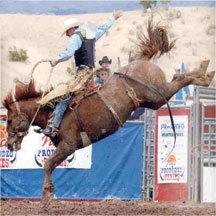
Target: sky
[{"x": 66, "y": 7}]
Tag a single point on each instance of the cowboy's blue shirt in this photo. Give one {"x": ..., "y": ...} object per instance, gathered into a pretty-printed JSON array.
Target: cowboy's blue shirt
[{"x": 75, "y": 41}]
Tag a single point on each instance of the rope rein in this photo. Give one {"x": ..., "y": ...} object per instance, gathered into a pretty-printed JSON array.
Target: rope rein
[
  {"x": 46, "y": 86},
  {"x": 39, "y": 62}
]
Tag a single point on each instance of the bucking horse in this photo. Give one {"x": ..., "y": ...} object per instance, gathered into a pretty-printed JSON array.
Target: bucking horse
[{"x": 101, "y": 113}]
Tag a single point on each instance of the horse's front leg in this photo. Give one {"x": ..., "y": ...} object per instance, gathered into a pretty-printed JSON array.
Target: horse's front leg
[{"x": 60, "y": 154}]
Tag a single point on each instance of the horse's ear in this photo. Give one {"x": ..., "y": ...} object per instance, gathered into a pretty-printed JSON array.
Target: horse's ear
[
  {"x": 6, "y": 101},
  {"x": 31, "y": 84},
  {"x": 177, "y": 70},
  {"x": 19, "y": 86},
  {"x": 30, "y": 87}
]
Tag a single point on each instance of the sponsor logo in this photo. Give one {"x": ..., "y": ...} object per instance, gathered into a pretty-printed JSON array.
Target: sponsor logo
[
  {"x": 171, "y": 160},
  {"x": 172, "y": 174},
  {"x": 46, "y": 150},
  {"x": 3, "y": 132},
  {"x": 7, "y": 158}
]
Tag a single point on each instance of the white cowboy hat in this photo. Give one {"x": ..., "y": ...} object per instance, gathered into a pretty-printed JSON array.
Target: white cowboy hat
[{"x": 70, "y": 23}]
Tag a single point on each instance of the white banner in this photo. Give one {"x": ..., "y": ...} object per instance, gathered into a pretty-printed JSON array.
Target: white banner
[
  {"x": 174, "y": 168},
  {"x": 36, "y": 149}
]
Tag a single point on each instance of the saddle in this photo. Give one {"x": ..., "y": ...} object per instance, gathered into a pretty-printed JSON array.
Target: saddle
[
  {"x": 64, "y": 90},
  {"x": 90, "y": 89}
]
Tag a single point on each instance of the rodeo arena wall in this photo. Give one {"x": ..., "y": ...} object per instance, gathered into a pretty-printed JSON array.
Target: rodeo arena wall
[{"x": 138, "y": 162}]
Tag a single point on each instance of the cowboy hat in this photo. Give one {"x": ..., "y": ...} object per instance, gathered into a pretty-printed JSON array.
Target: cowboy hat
[
  {"x": 105, "y": 60},
  {"x": 70, "y": 23}
]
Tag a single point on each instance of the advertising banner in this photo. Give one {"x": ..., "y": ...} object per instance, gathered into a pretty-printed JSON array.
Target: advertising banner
[
  {"x": 4, "y": 161},
  {"x": 172, "y": 168},
  {"x": 36, "y": 149},
  {"x": 116, "y": 172}
]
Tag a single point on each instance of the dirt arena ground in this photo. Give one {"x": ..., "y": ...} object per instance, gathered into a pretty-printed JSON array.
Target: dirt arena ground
[{"x": 107, "y": 207}]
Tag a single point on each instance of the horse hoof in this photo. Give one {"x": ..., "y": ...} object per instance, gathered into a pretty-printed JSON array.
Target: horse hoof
[
  {"x": 209, "y": 78},
  {"x": 204, "y": 65},
  {"x": 46, "y": 200}
]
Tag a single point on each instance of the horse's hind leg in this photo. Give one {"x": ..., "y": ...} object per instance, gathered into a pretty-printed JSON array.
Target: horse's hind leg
[
  {"x": 60, "y": 154},
  {"x": 203, "y": 80},
  {"x": 195, "y": 77},
  {"x": 200, "y": 77}
]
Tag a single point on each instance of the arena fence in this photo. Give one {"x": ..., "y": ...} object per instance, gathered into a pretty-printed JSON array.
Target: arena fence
[
  {"x": 203, "y": 145},
  {"x": 148, "y": 180},
  {"x": 200, "y": 150}
]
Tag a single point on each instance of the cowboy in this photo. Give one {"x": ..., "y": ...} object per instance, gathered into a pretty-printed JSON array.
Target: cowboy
[
  {"x": 82, "y": 48},
  {"x": 105, "y": 62}
]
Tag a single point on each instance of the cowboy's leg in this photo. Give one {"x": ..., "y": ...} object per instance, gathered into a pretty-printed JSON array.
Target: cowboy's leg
[
  {"x": 62, "y": 106},
  {"x": 52, "y": 129},
  {"x": 60, "y": 110}
]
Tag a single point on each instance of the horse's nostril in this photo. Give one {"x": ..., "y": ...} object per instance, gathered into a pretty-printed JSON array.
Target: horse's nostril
[{"x": 9, "y": 146}]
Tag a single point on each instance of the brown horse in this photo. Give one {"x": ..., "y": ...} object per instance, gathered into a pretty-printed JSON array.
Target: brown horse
[{"x": 101, "y": 114}]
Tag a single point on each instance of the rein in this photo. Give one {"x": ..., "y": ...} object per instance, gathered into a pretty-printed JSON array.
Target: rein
[
  {"x": 22, "y": 116},
  {"x": 50, "y": 73},
  {"x": 156, "y": 91}
]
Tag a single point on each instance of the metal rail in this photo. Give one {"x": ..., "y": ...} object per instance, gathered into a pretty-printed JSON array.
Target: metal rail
[{"x": 200, "y": 141}]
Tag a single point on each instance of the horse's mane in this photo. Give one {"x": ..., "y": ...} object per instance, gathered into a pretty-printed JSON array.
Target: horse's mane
[
  {"x": 22, "y": 92},
  {"x": 155, "y": 42}
]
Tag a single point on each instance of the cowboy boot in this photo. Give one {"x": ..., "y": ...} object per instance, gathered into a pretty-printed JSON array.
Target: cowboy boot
[
  {"x": 37, "y": 130},
  {"x": 49, "y": 126},
  {"x": 50, "y": 131}
]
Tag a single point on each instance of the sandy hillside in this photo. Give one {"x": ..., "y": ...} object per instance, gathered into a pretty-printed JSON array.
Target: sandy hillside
[{"x": 40, "y": 35}]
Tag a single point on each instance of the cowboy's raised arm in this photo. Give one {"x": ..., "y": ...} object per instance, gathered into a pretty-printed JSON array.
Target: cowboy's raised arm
[
  {"x": 103, "y": 28},
  {"x": 74, "y": 44}
]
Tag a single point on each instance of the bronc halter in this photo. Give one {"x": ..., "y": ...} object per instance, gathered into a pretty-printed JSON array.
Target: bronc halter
[{"x": 22, "y": 117}]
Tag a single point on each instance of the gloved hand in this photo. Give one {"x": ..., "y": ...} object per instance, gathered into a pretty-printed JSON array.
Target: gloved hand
[
  {"x": 117, "y": 14},
  {"x": 53, "y": 63}
]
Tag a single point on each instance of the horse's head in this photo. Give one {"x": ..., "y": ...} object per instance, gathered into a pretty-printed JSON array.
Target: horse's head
[
  {"x": 17, "y": 127},
  {"x": 19, "y": 112}
]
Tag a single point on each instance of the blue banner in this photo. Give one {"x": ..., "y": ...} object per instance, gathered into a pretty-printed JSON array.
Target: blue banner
[{"x": 116, "y": 172}]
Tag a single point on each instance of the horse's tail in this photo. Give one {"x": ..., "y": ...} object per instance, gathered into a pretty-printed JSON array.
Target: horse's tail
[{"x": 156, "y": 42}]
